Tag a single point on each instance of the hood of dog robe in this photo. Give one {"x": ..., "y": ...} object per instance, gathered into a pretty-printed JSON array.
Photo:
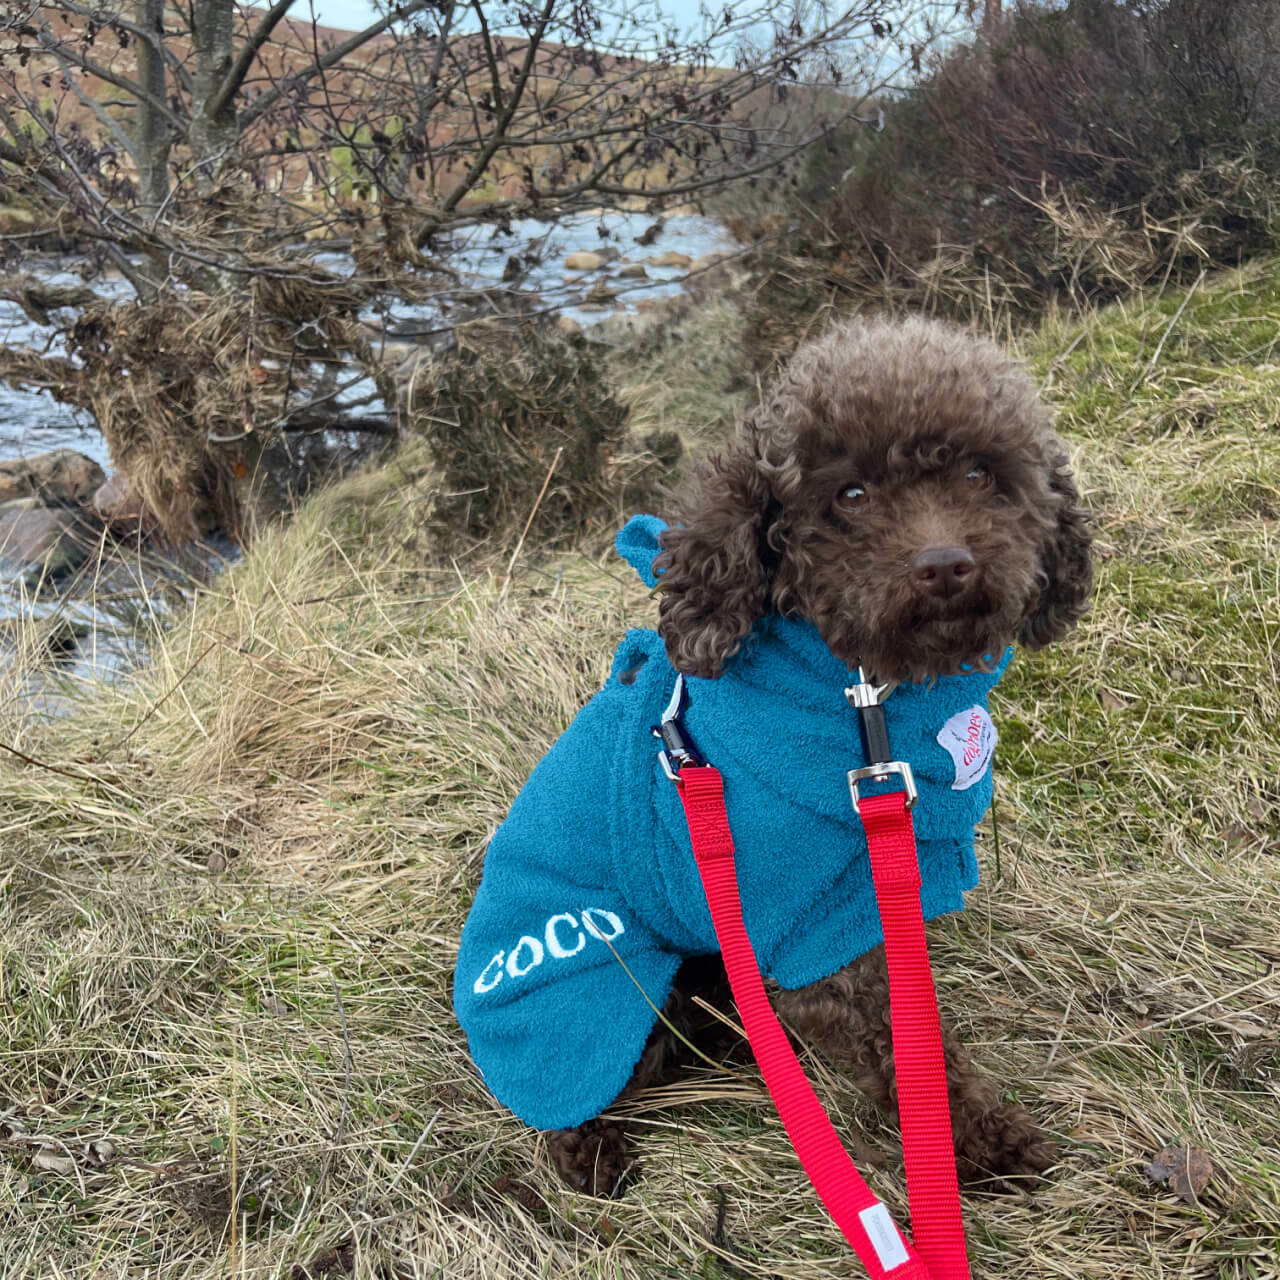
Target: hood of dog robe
[{"x": 590, "y": 896}]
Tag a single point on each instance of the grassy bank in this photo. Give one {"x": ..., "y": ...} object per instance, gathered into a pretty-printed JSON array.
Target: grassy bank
[{"x": 233, "y": 888}]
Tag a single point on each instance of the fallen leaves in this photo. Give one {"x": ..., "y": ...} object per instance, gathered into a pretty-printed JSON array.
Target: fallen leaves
[
  {"x": 1187, "y": 1170},
  {"x": 51, "y": 1155},
  {"x": 47, "y": 1160},
  {"x": 99, "y": 1154}
]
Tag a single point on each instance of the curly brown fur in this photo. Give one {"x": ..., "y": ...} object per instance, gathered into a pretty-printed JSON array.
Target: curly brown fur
[
  {"x": 597, "y": 1157},
  {"x": 848, "y": 1014},
  {"x": 951, "y": 448},
  {"x": 900, "y": 488}
]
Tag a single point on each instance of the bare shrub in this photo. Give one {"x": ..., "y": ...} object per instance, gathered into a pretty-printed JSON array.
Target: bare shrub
[
  {"x": 204, "y": 157},
  {"x": 1069, "y": 153},
  {"x": 526, "y": 430}
]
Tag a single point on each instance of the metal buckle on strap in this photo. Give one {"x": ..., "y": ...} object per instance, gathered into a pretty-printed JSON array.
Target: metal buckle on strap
[
  {"x": 881, "y": 773},
  {"x": 867, "y": 697},
  {"x": 866, "y": 693}
]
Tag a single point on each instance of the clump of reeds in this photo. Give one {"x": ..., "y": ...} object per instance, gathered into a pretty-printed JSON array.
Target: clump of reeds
[{"x": 529, "y": 437}]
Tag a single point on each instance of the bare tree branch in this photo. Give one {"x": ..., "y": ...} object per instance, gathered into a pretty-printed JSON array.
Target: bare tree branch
[
  {"x": 248, "y": 54},
  {"x": 331, "y": 59},
  {"x": 490, "y": 148},
  {"x": 153, "y": 38},
  {"x": 251, "y": 150},
  {"x": 64, "y": 53}
]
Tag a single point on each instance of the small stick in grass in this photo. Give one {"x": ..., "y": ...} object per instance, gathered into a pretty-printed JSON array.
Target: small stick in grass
[
  {"x": 537, "y": 503},
  {"x": 159, "y": 702},
  {"x": 340, "y": 1128}
]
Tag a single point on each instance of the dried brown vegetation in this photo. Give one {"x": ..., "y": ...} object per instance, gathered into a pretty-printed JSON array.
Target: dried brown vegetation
[
  {"x": 235, "y": 882},
  {"x": 207, "y": 156},
  {"x": 529, "y": 437},
  {"x": 1069, "y": 155}
]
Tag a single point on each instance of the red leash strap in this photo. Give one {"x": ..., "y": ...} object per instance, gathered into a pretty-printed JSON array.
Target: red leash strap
[
  {"x": 939, "y": 1253},
  {"x": 924, "y": 1114}
]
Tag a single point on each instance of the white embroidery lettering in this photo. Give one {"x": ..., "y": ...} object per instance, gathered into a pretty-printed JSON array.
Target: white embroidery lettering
[
  {"x": 535, "y": 952},
  {"x": 555, "y": 947},
  {"x": 563, "y": 938},
  {"x": 481, "y": 986},
  {"x": 594, "y": 929}
]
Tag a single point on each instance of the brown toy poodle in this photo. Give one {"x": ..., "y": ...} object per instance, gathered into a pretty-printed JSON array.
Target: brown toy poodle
[{"x": 901, "y": 489}]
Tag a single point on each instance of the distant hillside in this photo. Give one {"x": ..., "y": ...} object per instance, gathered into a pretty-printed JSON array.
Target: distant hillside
[{"x": 339, "y": 127}]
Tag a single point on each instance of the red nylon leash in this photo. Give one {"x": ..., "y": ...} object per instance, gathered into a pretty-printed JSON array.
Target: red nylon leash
[
  {"x": 939, "y": 1251},
  {"x": 924, "y": 1113}
]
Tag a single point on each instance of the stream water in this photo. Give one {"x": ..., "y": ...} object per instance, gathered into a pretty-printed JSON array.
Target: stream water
[{"x": 108, "y": 616}]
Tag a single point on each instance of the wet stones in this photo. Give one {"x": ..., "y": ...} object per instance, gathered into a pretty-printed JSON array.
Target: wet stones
[
  {"x": 585, "y": 261},
  {"x": 61, "y": 477},
  {"x": 44, "y": 540},
  {"x": 116, "y": 502},
  {"x": 55, "y": 509},
  {"x": 592, "y": 260}
]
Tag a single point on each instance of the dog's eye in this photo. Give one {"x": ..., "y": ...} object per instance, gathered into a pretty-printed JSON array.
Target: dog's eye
[
  {"x": 853, "y": 495},
  {"x": 981, "y": 477}
]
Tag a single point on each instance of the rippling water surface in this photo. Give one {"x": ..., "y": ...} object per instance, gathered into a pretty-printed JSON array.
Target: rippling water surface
[{"x": 33, "y": 421}]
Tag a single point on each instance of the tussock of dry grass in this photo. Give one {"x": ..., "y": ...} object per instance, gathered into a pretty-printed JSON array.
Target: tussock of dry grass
[
  {"x": 190, "y": 391},
  {"x": 686, "y": 374},
  {"x": 229, "y": 935}
]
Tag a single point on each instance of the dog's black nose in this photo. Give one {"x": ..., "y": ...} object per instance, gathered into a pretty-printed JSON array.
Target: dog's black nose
[{"x": 944, "y": 571}]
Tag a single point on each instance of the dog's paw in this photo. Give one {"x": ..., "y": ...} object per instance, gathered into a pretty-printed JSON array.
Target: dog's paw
[
  {"x": 595, "y": 1157},
  {"x": 1002, "y": 1149}
]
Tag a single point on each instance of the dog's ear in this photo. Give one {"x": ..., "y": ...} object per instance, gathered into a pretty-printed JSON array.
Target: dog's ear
[
  {"x": 715, "y": 566},
  {"x": 1066, "y": 567}
]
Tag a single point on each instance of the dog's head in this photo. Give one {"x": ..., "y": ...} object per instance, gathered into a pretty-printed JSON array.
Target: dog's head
[{"x": 900, "y": 488}]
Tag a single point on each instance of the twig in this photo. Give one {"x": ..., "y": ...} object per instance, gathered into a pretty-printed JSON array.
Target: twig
[
  {"x": 66, "y": 773},
  {"x": 1061, "y": 356},
  {"x": 995, "y": 833},
  {"x": 661, "y": 1014},
  {"x": 364, "y": 595},
  {"x": 159, "y": 702},
  {"x": 1164, "y": 337},
  {"x": 235, "y": 1186},
  {"x": 340, "y": 1127},
  {"x": 537, "y": 503},
  {"x": 422, "y": 1137}
]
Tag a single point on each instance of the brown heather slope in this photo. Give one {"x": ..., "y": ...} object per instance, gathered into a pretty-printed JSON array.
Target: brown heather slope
[{"x": 370, "y": 92}]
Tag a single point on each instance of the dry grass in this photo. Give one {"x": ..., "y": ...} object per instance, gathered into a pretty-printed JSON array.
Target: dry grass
[
  {"x": 234, "y": 887},
  {"x": 685, "y": 374}
]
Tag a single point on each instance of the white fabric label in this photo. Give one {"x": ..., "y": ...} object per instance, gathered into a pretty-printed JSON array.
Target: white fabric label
[
  {"x": 970, "y": 739},
  {"x": 885, "y": 1238}
]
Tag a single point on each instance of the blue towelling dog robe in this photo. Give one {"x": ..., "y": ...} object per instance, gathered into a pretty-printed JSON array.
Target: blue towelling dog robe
[{"x": 590, "y": 897}]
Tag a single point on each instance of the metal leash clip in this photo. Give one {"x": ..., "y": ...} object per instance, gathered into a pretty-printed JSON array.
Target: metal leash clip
[
  {"x": 868, "y": 698},
  {"x": 677, "y": 751}
]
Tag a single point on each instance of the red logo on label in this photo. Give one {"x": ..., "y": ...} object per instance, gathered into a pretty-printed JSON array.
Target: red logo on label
[{"x": 973, "y": 738}]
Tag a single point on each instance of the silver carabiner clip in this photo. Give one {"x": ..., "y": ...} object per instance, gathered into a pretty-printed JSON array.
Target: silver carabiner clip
[
  {"x": 677, "y": 751},
  {"x": 868, "y": 698}
]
